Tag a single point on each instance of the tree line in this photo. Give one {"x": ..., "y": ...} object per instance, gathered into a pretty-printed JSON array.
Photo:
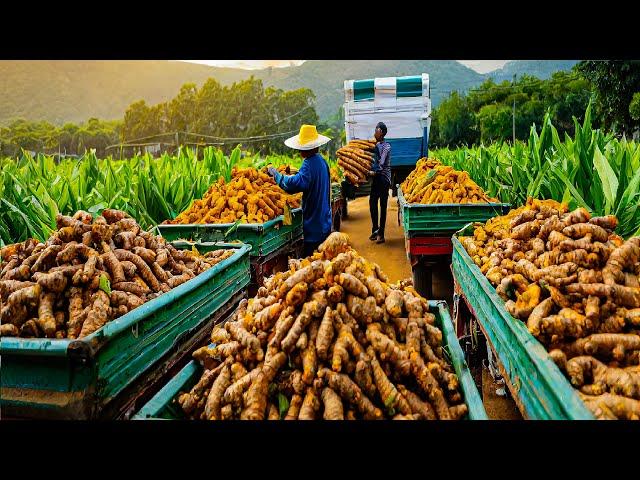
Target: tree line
[
  {"x": 494, "y": 112},
  {"x": 68, "y": 139},
  {"x": 205, "y": 115},
  {"x": 244, "y": 109},
  {"x": 201, "y": 116}
]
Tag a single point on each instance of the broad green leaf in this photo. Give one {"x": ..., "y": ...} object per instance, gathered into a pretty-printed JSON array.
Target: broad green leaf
[
  {"x": 608, "y": 179},
  {"x": 576, "y": 195},
  {"x": 94, "y": 209},
  {"x": 105, "y": 284},
  {"x": 283, "y": 405}
]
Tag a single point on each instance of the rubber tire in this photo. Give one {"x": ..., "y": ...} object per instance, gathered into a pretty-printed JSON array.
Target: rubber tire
[{"x": 422, "y": 280}]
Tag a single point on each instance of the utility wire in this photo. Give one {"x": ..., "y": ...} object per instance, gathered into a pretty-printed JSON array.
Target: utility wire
[
  {"x": 241, "y": 139},
  {"x": 226, "y": 139},
  {"x": 221, "y": 140},
  {"x": 152, "y": 136}
]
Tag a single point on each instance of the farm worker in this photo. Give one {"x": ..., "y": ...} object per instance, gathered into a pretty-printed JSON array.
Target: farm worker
[
  {"x": 314, "y": 181},
  {"x": 381, "y": 173}
]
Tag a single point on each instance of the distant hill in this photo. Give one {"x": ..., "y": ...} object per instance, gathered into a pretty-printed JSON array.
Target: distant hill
[
  {"x": 63, "y": 91},
  {"x": 538, "y": 68},
  {"x": 326, "y": 77}
]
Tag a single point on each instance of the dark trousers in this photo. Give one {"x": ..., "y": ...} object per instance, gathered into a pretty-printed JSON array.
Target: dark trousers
[
  {"x": 379, "y": 193},
  {"x": 310, "y": 247}
]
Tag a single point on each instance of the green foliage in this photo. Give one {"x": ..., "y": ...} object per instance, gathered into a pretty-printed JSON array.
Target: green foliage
[
  {"x": 283, "y": 405},
  {"x": 105, "y": 284},
  {"x": 495, "y": 122},
  {"x": 68, "y": 139},
  {"x": 634, "y": 107},
  {"x": 242, "y": 110},
  {"x": 453, "y": 122},
  {"x": 486, "y": 113},
  {"x": 615, "y": 83},
  {"x": 590, "y": 169},
  {"x": 33, "y": 189}
]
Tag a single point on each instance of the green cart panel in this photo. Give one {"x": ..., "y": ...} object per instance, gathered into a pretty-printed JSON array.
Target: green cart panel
[
  {"x": 76, "y": 379},
  {"x": 164, "y": 406},
  {"x": 420, "y": 219},
  {"x": 264, "y": 238},
  {"x": 542, "y": 391}
]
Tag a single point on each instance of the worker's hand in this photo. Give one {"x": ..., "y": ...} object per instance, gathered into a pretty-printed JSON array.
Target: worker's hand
[
  {"x": 371, "y": 173},
  {"x": 272, "y": 171}
]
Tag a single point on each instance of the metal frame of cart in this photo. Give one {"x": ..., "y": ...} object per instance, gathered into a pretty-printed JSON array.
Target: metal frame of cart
[
  {"x": 537, "y": 385},
  {"x": 104, "y": 374},
  {"x": 428, "y": 230},
  {"x": 163, "y": 406}
]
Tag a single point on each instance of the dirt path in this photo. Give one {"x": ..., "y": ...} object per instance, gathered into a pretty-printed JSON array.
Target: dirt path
[
  {"x": 389, "y": 255},
  {"x": 392, "y": 258}
]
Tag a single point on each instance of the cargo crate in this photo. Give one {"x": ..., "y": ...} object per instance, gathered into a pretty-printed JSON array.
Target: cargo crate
[
  {"x": 264, "y": 238},
  {"x": 92, "y": 377},
  {"x": 418, "y": 219},
  {"x": 537, "y": 385},
  {"x": 164, "y": 406}
]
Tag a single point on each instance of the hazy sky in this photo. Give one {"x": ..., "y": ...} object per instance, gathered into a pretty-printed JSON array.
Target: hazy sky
[
  {"x": 248, "y": 64},
  {"x": 481, "y": 66}
]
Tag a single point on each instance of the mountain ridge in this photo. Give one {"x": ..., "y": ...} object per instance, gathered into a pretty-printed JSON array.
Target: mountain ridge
[{"x": 74, "y": 91}]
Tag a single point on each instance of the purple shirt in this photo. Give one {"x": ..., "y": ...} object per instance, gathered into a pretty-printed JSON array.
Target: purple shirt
[{"x": 382, "y": 160}]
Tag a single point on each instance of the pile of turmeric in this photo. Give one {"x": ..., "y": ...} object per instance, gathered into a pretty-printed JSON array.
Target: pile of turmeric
[
  {"x": 336, "y": 174},
  {"x": 576, "y": 284},
  {"x": 331, "y": 339},
  {"x": 356, "y": 159},
  {"x": 89, "y": 272},
  {"x": 251, "y": 196},
  {"x": 433, "y": 183}
]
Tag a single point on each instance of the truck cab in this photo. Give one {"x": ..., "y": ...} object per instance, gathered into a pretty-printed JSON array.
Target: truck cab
[{"x": 404, "y": 105}]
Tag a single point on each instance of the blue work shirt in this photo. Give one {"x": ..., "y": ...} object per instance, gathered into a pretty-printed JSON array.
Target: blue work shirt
[{"x": 314, "y": 182}]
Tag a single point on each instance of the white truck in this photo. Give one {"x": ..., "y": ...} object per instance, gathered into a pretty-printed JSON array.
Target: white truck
[{"x": 404, "y": 105}]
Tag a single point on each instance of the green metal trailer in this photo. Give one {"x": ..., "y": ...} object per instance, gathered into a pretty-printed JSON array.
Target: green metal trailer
[
  {"x": 164, "y": 406},
  {"x": 537, "y": 385},
  {"x": 272, "y": 242},
  {"x": 418, "y": 219},
  {"x": 264, "y": 238},
  {"x": 428, "y": 230},
  {"x": 103, "y": 374}
]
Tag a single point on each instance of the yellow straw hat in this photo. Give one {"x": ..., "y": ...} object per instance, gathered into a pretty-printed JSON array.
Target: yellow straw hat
[{"x": 307, "y": 139}]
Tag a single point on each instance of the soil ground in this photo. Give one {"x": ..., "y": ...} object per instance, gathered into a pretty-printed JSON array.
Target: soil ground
[
  {"x": 389, "y": 255},
  {"x": 392, "y": 258}
]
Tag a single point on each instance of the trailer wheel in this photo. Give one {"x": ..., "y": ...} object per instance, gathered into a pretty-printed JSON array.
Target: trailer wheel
[{"x": 422, "y": 279}]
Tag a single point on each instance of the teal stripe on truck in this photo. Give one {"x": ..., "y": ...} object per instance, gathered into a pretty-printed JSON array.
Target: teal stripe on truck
[
  {"x": 409, "y": 86},
  {"x": 363, "y": 90}
]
